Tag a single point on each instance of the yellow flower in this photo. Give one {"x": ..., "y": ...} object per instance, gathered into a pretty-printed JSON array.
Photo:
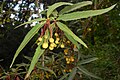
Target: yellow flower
[
  {"x": 67, "y": 59},
  {"x": 68, "y": 42},
  {"x": 52, "y": 45},
  {"x": 57, "y": 39},
  {"x": 71, "y": 59},
  {"x": 55, "y": 45},
  {"x": 39, "y": 39},
  {"x": 56, "y": 34},
  {"x": 66, "y": 51},
  {"x": 62, "y": 46},
  {"x": 64, "y": 70},
  {"x": 38, "y": 43},
  {"x": 45, "y": 45},
  {"x": 51, "y": 48},
  {"x": 68, "y": 62},
  {"x": 51, "y": 40},
  {"x": 56, "y": 42},
  {"x": 70, "y": 70}
]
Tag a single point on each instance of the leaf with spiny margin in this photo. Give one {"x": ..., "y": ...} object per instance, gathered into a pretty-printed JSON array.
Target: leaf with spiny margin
[
  {"x": 64, "y": 28},
  {"x": 83, "y": 70},
  {"x": 75, "y": 6},
  {"x": 83, "y": 14},
  {"x": 54, "y": 6},
  {"x": 39, "y": 19},
  {"x": 35, "y": 58},
  {"x": 27, "y": 38}
]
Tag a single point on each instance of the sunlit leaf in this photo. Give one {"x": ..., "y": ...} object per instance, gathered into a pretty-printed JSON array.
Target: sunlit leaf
[
  {"x": 64, "y": 28},
  {"x": 27, "y": 38},
  {"x": 39, "y": 19},
  {"x": 54, "y": 6},
  {"x": 83, "y": 70},
  {"x": 83, "y": 14},
  {"x": 75, "y": 6},
  {"x": 36, "y": 56},
  {"x": 72, "y": 74}
]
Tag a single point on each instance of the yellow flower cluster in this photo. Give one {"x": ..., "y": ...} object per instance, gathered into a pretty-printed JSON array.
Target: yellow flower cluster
[
  {"x": 53, "y": 43},
  {"x": 69, "y": 59},
  {"x": 67, "y": 70}
]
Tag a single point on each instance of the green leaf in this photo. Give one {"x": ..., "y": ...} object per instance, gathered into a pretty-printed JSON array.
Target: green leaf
[
  {"x": 83, "y": 14},
  {"x": 39, "y": 19},
  {"x": 28, "y": 58},
  {"x": 55, "y": 13},
  {"x": 3, "y": 77},
  {"x": 87, "y": 61},
  {"x": 83, "y": 70},
  {"x": 72, "y": 74},
  {"x": 36, "y": 56},
  {"x": 72, "y": 40},
  {"x": 63, "y": 77},
  {"x": 65, "y": 29},
  {"x": 22, "y": 64},
  {"x": 47, "y": 69},
  {"x": 27, "y": 38},
  {"x": 74, "y": 7},
  {"x": 1, "y": 7},
  {"x": 54, "y": 6}
]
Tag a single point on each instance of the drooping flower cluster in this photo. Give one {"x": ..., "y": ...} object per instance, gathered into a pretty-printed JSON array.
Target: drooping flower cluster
[{"x": 49, "y": 40}]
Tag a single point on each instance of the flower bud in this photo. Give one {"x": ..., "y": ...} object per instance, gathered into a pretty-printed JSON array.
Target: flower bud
[{"x": 45, "y": 45}]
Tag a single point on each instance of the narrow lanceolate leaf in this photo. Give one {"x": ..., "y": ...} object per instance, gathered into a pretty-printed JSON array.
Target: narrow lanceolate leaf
[
  {"x": 84, "y": 71},
  {"x": 36, "y": 56},
  {"x": 72, "y": 39},
  {"x": 72, "y": 74},
  {"x": 63, "y": 77},
  {"x": 87, "y": 61},
  {"x": 27, "y": 38},
  {"x": 83, "y": 14},
  {"x": 39, "y": 19},
  {"x": 47, "y": 69},
  {"x": 75, "y": 6},
  {"x": 65, "y": 29},
  {"x": 54, "y": 6},
  {"x": 28, "y": 58}
]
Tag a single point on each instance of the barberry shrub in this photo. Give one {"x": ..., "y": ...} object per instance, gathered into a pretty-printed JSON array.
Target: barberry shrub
[{"x": 54, "y": 34}]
